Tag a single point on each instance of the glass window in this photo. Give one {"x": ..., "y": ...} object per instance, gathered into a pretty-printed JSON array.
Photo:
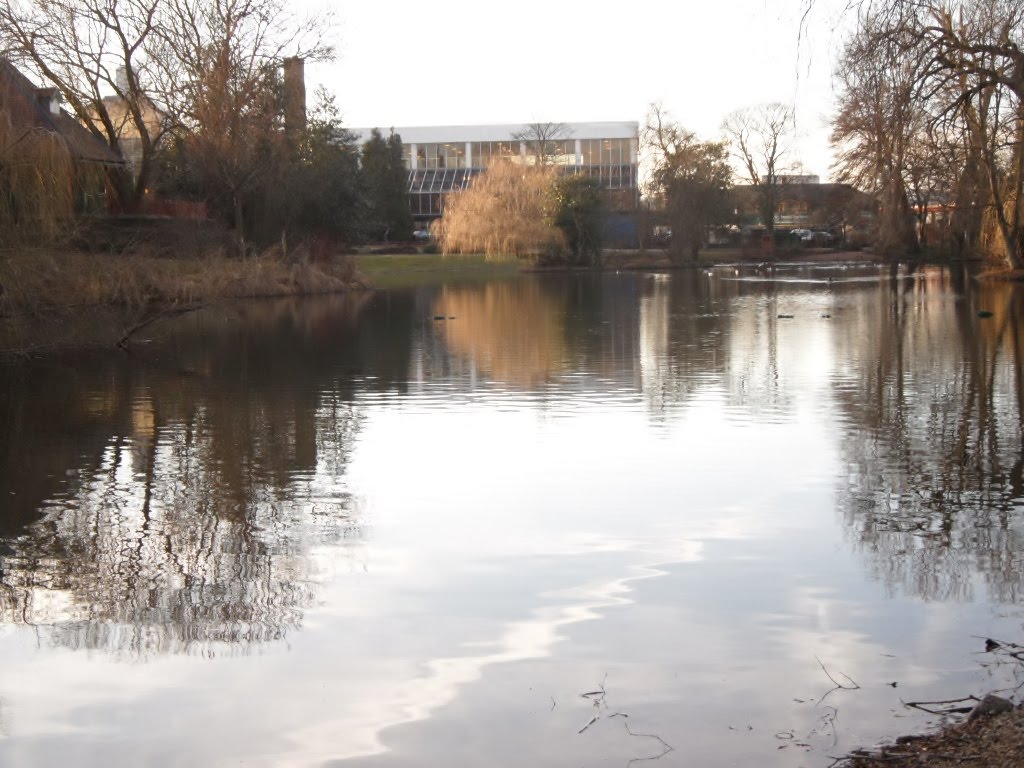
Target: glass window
[
  {"x": 454, "y": 155},
  {"x": 588, "y": 152}
]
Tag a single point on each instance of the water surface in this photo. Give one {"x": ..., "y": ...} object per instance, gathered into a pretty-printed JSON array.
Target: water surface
[{"x": 343, "y": 531}]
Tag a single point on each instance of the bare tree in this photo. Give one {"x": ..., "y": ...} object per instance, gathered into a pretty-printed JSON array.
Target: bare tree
[
  {"x": 972, "y": 77},
  {"x": 880, "y": 119},
  {"x": 691, "y": 177},
  {"x": 544, "y": 141},
  {"x": 133, "y": 69},
  {"x": 90, "y": 49},
  {"x": 219, "y": 75},
  {"x": 760, "y": 138}
]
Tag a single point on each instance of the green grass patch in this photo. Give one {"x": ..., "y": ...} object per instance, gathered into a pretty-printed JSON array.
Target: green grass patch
[{"x": 409, "y": 270}]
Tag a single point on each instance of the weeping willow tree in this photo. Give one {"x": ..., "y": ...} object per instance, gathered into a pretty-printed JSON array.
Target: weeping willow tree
[
  {"x": 508, "y": 211},
  {"x": 36, "y": 184}
]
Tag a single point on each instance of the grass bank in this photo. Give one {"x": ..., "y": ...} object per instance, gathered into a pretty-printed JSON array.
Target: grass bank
[
  {"x": 50, "y": 298},
  {"x": 384, "y": 270}
]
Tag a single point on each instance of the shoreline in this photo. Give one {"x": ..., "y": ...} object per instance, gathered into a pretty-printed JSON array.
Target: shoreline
[
  {"x": 54, "y": 299},
  {"x": 988, "y": 741}
]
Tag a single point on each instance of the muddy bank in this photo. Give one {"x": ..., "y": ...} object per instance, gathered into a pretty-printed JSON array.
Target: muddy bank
[{"x": 995, "y": 741}]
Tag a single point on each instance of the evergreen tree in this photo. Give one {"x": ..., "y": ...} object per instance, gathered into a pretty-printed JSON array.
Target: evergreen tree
[
  {"x": 321, "y": 193},
  {"x": 385, "y": 182},
  {"x": 579, "y": 213}
]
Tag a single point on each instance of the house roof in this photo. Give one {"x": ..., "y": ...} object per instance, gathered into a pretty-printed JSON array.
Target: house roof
[
  {"x": 28, "y": 107},
  {"x": 812, "y": 193}
]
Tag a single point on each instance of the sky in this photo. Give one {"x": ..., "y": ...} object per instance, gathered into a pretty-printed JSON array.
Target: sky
[{"x": 456, "y": 62}]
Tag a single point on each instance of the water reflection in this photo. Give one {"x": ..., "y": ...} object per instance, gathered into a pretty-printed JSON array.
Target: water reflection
[
  {"x": 484, "y": 514},
  {"x": 933, "y": 446},
  {"x": 167, "y": 507}
]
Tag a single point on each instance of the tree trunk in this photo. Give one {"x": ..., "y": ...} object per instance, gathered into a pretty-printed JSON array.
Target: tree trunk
[
  {"x": 239, "y": 222},
  {"x": 123, "y": 184}
]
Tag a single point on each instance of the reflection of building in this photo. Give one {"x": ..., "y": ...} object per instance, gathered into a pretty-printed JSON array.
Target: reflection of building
[{"x": 443, "y": 159}]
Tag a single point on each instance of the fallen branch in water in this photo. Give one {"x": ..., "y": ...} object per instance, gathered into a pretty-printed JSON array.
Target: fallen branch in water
[
  {"x": 171, "y": 311},
  {"x": 924, "y": 706}
]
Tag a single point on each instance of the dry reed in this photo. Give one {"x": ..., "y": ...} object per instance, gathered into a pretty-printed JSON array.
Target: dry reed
[{"x": 42, "y": 281}]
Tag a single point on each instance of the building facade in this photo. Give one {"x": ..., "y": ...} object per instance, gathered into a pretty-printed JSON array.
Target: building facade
[
  {"x": 444, "y": 159},
  {"x": 839, "y": 209}
]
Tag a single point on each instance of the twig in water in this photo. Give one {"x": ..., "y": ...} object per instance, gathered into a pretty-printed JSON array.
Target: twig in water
[
  {"x": 838, "y": 686},
  {"x": 598, "y": 702},
  {"x": 667, "y": 747},
  {"x": 600, "y": 692},
  {"x": 991, "y": 644},
  {"x": 924, "y": 706},
  {"x": 829, "y": 718}
]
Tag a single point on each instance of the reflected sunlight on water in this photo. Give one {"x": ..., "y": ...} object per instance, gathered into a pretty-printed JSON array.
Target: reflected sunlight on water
[{"x": 339, "y": 531}]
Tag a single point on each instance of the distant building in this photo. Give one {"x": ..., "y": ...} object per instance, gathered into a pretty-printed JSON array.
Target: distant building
[
  {"x": 444, "y": 159},
  {"x": 840, "y": 209},
  {"x": 128, "y": 136},
  {"x": 31, "y": 108}
]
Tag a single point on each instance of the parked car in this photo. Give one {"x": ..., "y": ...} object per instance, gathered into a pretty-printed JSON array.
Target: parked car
[
  {"x": 421, "y": 234},
  {"x": 822, "y": 239}
]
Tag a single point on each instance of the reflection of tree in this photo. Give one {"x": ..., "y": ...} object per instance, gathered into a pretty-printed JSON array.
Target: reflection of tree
[
  {"x": 512, "y": 331},
  {"x": 684, "y": 333},
  {"x": 722, "y": 331},
  {"x": 175, "y": 506},
  {"x": 934, "y": 450},
  {"x": 164, "y": 551}
]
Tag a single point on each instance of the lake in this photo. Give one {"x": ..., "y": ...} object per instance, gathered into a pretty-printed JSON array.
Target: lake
[{"x": 552, "y": 520}]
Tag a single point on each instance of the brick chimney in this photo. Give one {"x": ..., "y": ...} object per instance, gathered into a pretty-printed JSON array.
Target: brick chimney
[{"x": 294, "y": 94}]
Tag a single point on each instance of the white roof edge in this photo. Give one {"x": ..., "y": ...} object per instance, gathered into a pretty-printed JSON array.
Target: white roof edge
[{"x": 440, "y": 134}]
